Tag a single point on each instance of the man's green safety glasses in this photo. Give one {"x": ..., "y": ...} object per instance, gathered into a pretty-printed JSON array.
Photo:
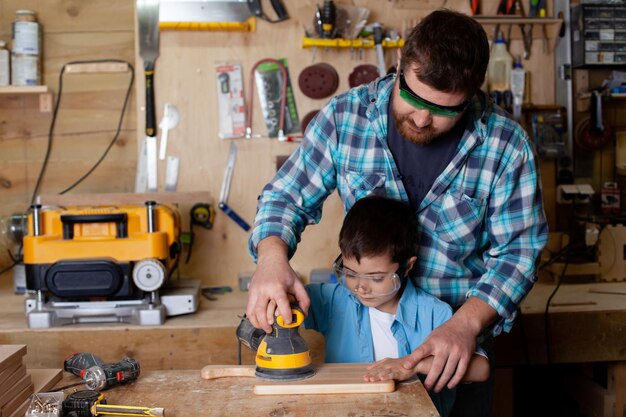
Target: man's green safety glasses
[{"x": 422, "y": 104}]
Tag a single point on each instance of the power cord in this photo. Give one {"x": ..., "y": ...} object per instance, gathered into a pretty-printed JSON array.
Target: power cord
[
  {"x": 8, "y": 268},
  {"x": 546, "y": 317},
  {"x": 54, "y": 118}
]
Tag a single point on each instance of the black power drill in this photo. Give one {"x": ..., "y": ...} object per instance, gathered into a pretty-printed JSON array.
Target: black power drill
[{"x": 99, "y": 375}]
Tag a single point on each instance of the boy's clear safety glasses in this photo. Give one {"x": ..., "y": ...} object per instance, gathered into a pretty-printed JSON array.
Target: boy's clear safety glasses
[{"x": 375, "y": 285}]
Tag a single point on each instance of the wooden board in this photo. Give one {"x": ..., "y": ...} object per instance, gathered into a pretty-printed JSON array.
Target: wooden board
[
  {"x": 330, "y": 378},
  {"x": 12, "y": 378},
  {"x": 45, "y": 379},
  {"x": 16, "y": 402},
  {"x": 9, "y": 354},
  {"x": 17, "y": 387},
  {"x": 16, "y": 368},
  {"x": 21, "y": 410}
]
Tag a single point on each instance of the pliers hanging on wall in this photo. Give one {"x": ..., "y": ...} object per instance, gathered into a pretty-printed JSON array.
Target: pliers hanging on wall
[
  {"x": 514, "y": 7},
  {"x": 256, "y": 9}
]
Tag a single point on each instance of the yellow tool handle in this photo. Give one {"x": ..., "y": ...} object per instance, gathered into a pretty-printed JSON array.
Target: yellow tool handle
[
  {"x": 297, "y": 317},
  {"x": 126, "y": 410}
]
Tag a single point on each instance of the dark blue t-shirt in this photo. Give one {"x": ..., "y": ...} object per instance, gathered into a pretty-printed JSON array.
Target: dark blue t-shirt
[{"x": 420, "y": 165}]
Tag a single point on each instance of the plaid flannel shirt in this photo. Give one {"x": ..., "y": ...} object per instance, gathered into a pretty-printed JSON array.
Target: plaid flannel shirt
[{"x": 481, "y": 226}]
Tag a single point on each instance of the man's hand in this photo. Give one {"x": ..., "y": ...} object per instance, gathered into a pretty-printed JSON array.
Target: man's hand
[
  {"x": 452, "y": 345},
  {"x": 274, "y": 280}
]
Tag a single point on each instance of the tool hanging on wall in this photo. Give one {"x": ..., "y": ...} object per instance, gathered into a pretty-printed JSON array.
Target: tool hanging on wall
[
  {"x": 225, "y": 191},
  {"x": 256, "y": 9},
  {"x": 169, "y": 121},
  {"x": 377, "y": 30},
  {"x": 148, "y": 33},
  {"x": 206, "y": 15},
  {"x": 593, "y": 132},
  {"x": 203, "y": 215},
  {"x": 283, "y": 98},
  {"x": 327, "y": 18},
  {"x": 148, "y": 23}
]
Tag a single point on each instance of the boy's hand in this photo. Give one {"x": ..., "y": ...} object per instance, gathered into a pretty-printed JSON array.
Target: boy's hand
[{"x": 387, "y": 369}]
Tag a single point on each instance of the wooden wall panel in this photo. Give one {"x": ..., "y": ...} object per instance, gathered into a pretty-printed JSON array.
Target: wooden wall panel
[
  {"x": 90, "y": 106},
  {"x": 185, "y": 77},
  {"x": 74, "y": 15}
]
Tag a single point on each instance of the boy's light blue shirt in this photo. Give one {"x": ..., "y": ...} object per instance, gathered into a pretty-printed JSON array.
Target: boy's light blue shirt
[{"x": 345, "y": 323}]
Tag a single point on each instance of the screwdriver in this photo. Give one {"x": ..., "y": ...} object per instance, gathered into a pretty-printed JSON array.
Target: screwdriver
[{"x": 97, "y": 374}]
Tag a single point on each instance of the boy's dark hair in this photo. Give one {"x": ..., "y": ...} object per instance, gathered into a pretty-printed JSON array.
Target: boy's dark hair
[
  {"x": 451, "y": 52},
  {"x": 379, "y": 225}
]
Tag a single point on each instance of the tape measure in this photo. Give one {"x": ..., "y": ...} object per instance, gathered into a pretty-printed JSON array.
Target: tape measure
[
  {"x": 202, "y": 214},
  {"x": 79, "y": 403}
]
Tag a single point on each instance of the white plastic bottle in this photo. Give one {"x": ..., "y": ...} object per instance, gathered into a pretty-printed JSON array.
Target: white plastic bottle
[
  {"x": 5, "y": 72},
  {"x": 518, "y": 79},
  {"x": 500, "y": 66}
]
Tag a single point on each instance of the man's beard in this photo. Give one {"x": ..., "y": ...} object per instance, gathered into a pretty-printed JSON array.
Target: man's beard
[{"x": 425, "y": 135}]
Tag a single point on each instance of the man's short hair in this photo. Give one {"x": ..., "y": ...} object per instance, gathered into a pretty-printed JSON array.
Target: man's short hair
[
  {"x": 450, "y": 51},
  {"x": 377, "y": 226}
]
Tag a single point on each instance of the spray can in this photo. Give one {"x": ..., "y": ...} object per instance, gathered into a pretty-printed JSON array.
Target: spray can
[
  {"x": 5, "y": 72},
  {"x": 26, "y": 49},
  {"x": 518, "y": 79}
]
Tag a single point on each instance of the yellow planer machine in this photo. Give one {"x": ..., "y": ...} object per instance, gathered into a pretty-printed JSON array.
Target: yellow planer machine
[{"x": 102, "y": 263}]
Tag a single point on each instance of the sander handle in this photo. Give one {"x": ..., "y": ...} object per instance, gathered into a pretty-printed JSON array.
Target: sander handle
[{"x": 222, "y": 371}]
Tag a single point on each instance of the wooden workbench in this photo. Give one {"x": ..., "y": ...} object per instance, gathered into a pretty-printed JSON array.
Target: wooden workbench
[
  {"x": 580, "y": 316},
  {"x": 184, "y": 394},
  {"x": 182, "y": 342},
  {"x": 586, "y": 324}
]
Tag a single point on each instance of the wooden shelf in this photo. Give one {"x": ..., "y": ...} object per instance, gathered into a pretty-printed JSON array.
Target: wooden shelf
[
  {"x": 348, "y": 43},
  {"x": 45, "y": 97},
  {"x": 26, "y": 89},
  {"x": 551, "y": 25}
]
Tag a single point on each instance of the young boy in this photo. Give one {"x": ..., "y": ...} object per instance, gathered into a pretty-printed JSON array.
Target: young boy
[{"x": 376, "y": 313}]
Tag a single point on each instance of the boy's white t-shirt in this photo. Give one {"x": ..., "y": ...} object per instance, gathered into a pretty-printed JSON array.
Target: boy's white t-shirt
[{"x": 385, "y": 345}]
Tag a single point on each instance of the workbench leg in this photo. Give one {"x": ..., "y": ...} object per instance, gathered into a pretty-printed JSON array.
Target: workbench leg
[{"x": 617, "y": 384}]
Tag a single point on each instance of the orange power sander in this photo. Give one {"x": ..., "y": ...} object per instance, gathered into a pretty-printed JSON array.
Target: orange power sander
[{"x": 282, "y": 355}]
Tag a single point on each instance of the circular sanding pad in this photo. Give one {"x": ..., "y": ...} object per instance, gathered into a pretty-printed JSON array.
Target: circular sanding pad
[
  {"x": 362, "y": 74},
  {"x": 307, "y": 119},
  {"x": 318, "y": 81}
]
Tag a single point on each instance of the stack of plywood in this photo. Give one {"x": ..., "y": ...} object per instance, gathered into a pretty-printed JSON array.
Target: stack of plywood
[{"x": 17, "y": 383}]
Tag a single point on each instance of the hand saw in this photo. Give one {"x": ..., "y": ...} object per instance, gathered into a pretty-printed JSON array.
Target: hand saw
[
  {"x": 148, "y": 23},
  {"x": 216, "y": 11}
]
